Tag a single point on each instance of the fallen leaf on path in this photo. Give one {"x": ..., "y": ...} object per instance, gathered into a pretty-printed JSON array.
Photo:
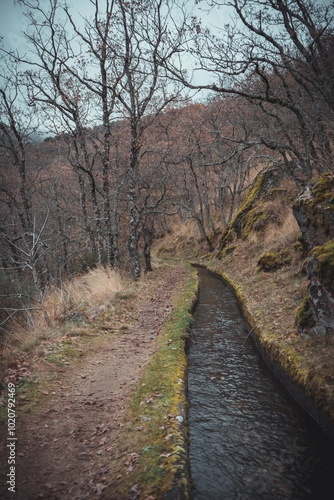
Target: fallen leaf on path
[
  {"x": 131, "y": 461},
  {"x": 98, "y": 488}
]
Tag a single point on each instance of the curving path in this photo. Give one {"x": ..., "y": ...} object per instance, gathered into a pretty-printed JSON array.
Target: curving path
[{"x": 63, "y": 450}]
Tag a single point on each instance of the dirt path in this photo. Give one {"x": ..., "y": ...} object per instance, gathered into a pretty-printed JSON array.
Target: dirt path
[{"x": 62, "y": 451}]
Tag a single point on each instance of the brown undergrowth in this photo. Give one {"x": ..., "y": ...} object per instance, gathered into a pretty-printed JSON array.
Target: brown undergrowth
[{"x": 65, "y": 314}]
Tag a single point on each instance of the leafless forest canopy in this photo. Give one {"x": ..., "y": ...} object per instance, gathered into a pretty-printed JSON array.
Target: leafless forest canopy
[{"x": 127, "y": 149}]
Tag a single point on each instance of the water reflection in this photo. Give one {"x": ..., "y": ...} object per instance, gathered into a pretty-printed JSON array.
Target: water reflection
[{"x": 246, "y": 440}]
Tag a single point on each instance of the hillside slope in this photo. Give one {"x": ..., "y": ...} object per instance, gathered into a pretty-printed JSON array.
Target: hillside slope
[{"x": 265, "y": 257}]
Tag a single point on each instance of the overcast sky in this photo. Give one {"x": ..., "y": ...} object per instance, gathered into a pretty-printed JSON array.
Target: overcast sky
[
  {"x": 12, "y": 20},
  {"x": 10, "y": 23}
]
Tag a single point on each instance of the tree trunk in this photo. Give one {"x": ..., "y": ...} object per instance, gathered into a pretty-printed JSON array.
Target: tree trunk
[
  {"x": 133, "y": 237},
  {"x": 148, "y": 239},
  {"x": 87, "y": 226}
]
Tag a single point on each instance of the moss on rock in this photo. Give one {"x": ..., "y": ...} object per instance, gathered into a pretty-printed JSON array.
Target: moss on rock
[
  {"x": 302, "y": 244},
  {"x": 271, "y": 261},
  {"x": 236, "y": 225},
  {"x": 320, "y": 271},
  {"x": 254, "y": 215},
  {"x": 325, "y": 262},
  {"x": 322, "y": 191},
  {"x": 305, "y": 314},
  {"x": 255, "y": 220},
  {"x": 314, "y": 211}
]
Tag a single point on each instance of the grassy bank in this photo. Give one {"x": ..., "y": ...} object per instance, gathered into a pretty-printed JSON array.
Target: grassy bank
[{"x": 152, "y": 450}]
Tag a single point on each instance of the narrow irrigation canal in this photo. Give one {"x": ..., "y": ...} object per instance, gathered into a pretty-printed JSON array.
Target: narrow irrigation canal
[{"x": 247, "y": 439}]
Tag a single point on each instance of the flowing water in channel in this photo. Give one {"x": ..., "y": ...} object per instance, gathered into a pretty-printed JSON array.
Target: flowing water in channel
[{"x": 247, "y": 439}]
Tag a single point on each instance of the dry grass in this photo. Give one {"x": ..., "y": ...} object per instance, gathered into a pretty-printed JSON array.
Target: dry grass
[
  {"x": 182, "y": 238},
  {"x": 188, "y": 229},
  {"x": 285, "y": 234},
  {"x": 85, "y": 295},
  {"x": 97, "y": 288}
]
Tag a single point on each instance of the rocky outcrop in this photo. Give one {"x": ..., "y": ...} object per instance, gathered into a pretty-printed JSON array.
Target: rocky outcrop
[
  {"x": 252, "y": 215},
  {"x": 320, "y": 270},
  {"x": 314, "y": 212}
]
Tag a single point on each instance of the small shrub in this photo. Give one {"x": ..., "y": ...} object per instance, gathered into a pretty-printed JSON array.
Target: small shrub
[
  {"x": 322, "y": 191},
  {"x": 269, "y": 261}
]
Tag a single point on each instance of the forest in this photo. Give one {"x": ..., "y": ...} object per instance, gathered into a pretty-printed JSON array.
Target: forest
[{"x": 139, "y": 116}]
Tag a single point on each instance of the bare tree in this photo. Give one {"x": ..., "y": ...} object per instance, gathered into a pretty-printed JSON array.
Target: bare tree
[
  {"x": 237, "y": 150},
  {"x": 277, "y": 55},
  {"x": 144, "y": 90},
  {"x": 72, "y": 97},
  {"x": 98, "y": 69},
  {"x": 23, "y": 220}
]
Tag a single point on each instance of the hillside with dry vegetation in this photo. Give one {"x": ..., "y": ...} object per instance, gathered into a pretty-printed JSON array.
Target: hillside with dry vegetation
[
  {"x": 135, "y": 138},
  {"x": 265, "y": 257}
]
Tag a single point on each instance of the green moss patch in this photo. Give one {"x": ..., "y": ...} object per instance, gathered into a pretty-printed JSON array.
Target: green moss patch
[
  {"x": 237, "y": 224},
  {"x": 256, "y": 220},
  {"x": 304, "y": 314},
  {"x": 322, "y": 191},
  {"x": 63, "y": 353},
  {"x": 256, "y": 212},
  {"x": 325, "y": 262},
  {"x": 271, "y": 261}
]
